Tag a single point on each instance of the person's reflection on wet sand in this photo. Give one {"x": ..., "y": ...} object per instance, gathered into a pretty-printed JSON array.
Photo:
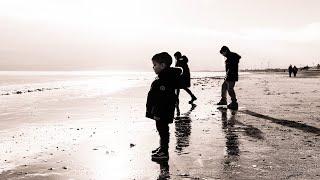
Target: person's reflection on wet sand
[
  {"x": 183, "y": 130},
  {"x": 177, "y": 109},
  {"x": 164, "y": 170},
  {"x": 232, "y": 142}
]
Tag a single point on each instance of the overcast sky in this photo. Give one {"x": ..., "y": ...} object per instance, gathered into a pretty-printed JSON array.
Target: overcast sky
[{"x": 124, "y": 35}]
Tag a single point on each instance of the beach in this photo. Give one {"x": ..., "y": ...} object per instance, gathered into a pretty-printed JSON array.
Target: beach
[{"x": 65, "y": 134}]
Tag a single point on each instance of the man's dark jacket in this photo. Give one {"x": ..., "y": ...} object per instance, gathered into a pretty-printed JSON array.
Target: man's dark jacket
[
  {"x": 232, "y": 66},
  {"x": 162, "y": 97}
]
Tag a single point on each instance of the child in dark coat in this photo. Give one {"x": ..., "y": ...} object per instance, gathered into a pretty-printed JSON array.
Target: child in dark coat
[
  {"x": 231, "y": 64},
  {"x": 161, "y": 101},
  {"x": 184, "y": 82}
]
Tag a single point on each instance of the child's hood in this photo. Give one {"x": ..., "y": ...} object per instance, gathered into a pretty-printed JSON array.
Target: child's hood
[
  {"x": 171, "y": 73},
  {"x": 234, "y": 57}
]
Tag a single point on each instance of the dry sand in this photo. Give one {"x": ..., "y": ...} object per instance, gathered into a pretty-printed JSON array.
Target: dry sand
[{"x": 274, "y": 135}]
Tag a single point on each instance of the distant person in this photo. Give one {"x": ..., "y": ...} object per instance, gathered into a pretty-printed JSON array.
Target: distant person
[
  {"x": 161, "y": 101},
  {"x": 231, "y": 66},
  {"x": 184, "y": 81},
  {"x": 295, "y": 71},
  {"x": 290, "y": 70}
]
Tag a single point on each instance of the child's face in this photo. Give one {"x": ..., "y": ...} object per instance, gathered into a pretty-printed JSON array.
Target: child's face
[
  {"x": 158, "y": 67},
  {"x": 224, "y": 53}
]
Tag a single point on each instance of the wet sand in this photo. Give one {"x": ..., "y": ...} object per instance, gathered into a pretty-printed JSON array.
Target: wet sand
[{"x": 274, "y": 134}]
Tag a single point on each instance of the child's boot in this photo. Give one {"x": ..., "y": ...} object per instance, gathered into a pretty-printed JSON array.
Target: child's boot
[
  {"x": 233, "y": 105},
  {"x": 223, "y": 101},
  {"x": 193, "y": 98},
  {"x": 162, "y": 154},
  {"x": 156, "y": 150}
]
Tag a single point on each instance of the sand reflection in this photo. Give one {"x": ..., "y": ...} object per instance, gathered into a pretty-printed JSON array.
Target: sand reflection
[
  {"x": 232, "y": 139},
  {"x": 183, "y": 130}
]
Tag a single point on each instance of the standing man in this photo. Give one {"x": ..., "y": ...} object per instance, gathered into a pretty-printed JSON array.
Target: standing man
[
  {"x": 290, "y": 70},
  {"x": 294, "y": 70},
  {"x": 231, "y": 63}
]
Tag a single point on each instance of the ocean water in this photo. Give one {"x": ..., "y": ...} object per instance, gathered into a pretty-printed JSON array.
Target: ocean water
[
  {"x": 78, "y": 83},
  {"x": 74, "y": 82}
]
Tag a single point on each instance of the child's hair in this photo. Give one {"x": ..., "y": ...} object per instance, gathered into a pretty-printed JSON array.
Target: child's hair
[
  {"x": 163, "y": 57},
  {"x": 177, "y": 54},
  {"x": 185, "y": 59},
  {"x": 224, "y": 49}
]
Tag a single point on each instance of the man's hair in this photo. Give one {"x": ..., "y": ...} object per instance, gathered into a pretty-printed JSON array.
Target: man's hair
[
  {"x": 163, "y": 57},
  {"x": 224, "y": 49},
  {"x": 177, "y": 54}
]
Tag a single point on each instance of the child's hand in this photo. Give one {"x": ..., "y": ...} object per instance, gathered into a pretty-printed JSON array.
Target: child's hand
[{"x": 156, "y": 118}]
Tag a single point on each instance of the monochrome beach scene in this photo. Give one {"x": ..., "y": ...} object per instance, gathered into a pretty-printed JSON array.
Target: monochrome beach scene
[{"x": 143, "y": 90}]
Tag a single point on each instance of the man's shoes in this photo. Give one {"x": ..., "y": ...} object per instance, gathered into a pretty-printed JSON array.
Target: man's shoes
[
  {"x": 222, "y": 102},
  {"x": 192, "y": 99},
  {"x": 160, "y": 156},
  {"x": 233, "y": 106},
  {"x": 155, "y": 151}
]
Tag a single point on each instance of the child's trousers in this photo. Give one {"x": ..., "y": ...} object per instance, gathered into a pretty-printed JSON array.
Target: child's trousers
[
  {"x": 163, "y": 130},
  {"x": 228, "y": 86}
]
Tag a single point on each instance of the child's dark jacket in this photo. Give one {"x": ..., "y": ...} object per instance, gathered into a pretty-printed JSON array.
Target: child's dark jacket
[
  {"x": 184, "y": 79},
  {"x": 232, "y": 66},
  {"x": 162, "y": 97}
]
